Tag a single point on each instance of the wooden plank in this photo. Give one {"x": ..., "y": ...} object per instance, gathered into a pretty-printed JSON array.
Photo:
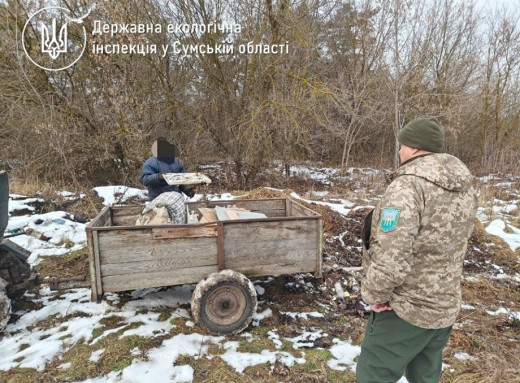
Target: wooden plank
[
  {"x": 125, "y": 215},
  {"x": 184, "y": 232},
  {"x": 277, "y": 269},
  {"x": 193, "y": 206},
  {"x": 101, "y": 218},
  {"x": 170, "y": 263},
  {"x": 300, "y": 210},
  {"x": 252, "y": 205},
  {"x": 94, "y": 292},
  {"x": 232, "y": 214},
  {"x": 208, "y": 215},
  {"x": 156, "y": 250},
  {"x": 126, "y": 210},
  {"x": 97, "y": 263},
  {"x": 125, "y": 220},
  {"x": 274, "y": 213},
  {"x": 319, "y": 250},
  {"x": 287, "y": 253},
  {"x": 125, "y": 282},
  {"x": 221, "y": 262},
  {"x": 238, "y": 232},
  {"x": 270, "y": 244},
  {"x": 186, "y": 179}
]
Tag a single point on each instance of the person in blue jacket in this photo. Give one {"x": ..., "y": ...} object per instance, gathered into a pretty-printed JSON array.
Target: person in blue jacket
[{"x": 163, "y": 161}]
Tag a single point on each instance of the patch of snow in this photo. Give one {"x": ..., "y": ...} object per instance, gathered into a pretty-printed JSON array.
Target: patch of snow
[
  {"x": 241, "y": 360},
  {"x": 159, "y": 366},
  {"x": 497, "y": 227},
  {"x": 507, "y": 209},
  {"x": 96, "y": 355},
  {"x": 273, "y": 335},
  {"x": 319, "y": 194},
  {"x": 344, "y": 354},
  {"x": 124, "y": 193},
  {"x": 462, "y": 356},
  {"x": 70, "y": 196},
  {"x": 21, "y": 204},
  {"x": 467, "y": 307},
  {"x": 501, "y": 310},
  {"x": 304, "y": 316},
  {"x": 47, "y": 343},
  {"x": 343, "y": 207},
  {"x": 55, "y": 226},
  {"x": 306, "y": 339},
  {"x": 259, "y": 290},
  {"x": 257, "y": 317}
]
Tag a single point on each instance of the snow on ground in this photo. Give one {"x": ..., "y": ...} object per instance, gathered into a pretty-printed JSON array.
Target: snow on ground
[
  {"x": 498, "y": 228},
  {"x": 119, "y": 194},
  {"x": 330, "y": 176},
  {"x": 51, "y": 234},
  {"x": 342, "y": 206},
  {"x": 241, "y": 360},
  {"x": 19, "y": 202}
]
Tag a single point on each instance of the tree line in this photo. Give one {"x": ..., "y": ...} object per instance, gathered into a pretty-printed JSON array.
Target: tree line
[{"x": 355, "y": 72}]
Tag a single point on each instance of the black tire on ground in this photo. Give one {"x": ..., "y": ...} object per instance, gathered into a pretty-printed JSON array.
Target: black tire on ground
[{"x": 224, "y": 302}]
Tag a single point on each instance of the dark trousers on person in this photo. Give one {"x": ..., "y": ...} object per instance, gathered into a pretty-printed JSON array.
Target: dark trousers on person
[{"x": 393, "y": 346}]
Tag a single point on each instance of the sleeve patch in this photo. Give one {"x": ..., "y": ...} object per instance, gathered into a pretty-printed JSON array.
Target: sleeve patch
[{"x": 389, "y": 218}]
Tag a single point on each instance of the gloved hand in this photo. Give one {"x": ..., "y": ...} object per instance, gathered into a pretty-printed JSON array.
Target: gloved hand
[
  {"x": 161, "y": 177},
  {"x": 189, "y": 191}
]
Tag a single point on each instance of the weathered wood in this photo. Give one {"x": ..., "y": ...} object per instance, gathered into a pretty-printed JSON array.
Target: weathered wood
[
  {"x": 244, "y": 233},
  {"x": 208, "y": 215},
  {"x": 150, "y": 250},
  {"x": 221, "y": 262},
  {"x": 319, "y": 248},
  {"x": 115, "y": 283},
  {"x": 125, "y": 215},
  {"x": 299, "y": 210},
  {"x": 97, "y": 262},
  {"x": 232, "y": 214},
  {"x": 126, "y": 257},
  {"x": 252, "y": 205},
  {"x": 101, "y": 219},
  {"x": 171, "y": 262},
  {"x": 125, "y": 220},
  {"x": 270, "y": 244},
  {"x": 126, "y": 209},
  {"x": 186, "y": 179},
  {"x": 184, "y": 232},
  {"x": 92, "y": 267},
  {"x": 274, "y": 213},
  {"x": 277, "y": 269},
  {"x": 250, "y": 256}
]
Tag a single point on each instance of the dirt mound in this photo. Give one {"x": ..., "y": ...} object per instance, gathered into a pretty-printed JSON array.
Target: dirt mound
[{"x": 267, "y": 193}]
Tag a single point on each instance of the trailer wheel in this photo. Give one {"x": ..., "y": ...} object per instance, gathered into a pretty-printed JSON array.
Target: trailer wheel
[
  {"x": 5, "y": 309},
  {"x": 224, "y": 302}
]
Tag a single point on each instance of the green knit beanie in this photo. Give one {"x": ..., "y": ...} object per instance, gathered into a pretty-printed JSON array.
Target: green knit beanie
[{"x": 423, "y": 133}]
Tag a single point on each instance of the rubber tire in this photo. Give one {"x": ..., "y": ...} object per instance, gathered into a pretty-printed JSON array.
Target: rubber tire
[
  {"x": 5, "y": 309},
  {"x": 212, "y": 283}
]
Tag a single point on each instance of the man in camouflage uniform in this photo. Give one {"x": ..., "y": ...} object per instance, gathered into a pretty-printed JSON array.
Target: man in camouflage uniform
[{"x": 415, "y": 243}]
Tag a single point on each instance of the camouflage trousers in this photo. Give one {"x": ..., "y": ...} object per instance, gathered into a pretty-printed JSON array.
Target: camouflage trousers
[{"x": 393, "y": 347}]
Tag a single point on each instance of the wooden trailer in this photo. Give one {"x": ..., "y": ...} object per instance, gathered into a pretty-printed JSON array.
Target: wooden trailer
[{"x": 124, "y": 256}]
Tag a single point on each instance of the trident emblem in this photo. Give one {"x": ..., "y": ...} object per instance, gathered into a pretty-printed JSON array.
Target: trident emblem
[{"x": 52, "y": 45}]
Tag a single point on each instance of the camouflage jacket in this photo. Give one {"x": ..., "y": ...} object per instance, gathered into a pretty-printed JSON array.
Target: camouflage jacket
[{"x": 418, "y": 239}]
